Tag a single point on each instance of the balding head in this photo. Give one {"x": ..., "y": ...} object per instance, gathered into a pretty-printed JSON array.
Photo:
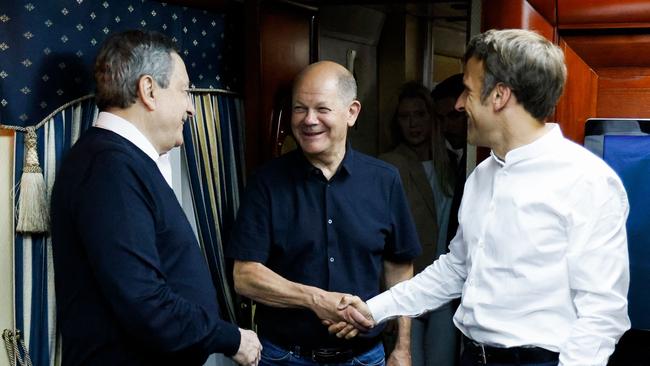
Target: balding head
[
  {"x": 324, "y": 107},
  {"x": 324, "y": 71}
]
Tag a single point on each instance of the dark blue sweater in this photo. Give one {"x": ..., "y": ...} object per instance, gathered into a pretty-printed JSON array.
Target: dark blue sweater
[{"x": 132, "y": 287}]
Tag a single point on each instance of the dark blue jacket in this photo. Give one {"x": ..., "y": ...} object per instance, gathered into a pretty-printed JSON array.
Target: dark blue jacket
[{"x": 132, "y": 287}]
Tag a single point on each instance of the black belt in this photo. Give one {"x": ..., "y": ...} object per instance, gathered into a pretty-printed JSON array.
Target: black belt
[
  {"x": 484, "y": 355},
  {"x": 330, "y": 354}
]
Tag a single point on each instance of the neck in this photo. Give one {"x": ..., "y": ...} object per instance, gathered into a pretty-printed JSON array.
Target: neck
[
  {"x": 328, "y": 162},
  {"x": 519, "y": 132},
  {"x": 138, "y": 120}
]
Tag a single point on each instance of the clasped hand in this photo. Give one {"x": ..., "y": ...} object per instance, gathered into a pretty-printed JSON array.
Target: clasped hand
[{"x": 352, "y": 316}]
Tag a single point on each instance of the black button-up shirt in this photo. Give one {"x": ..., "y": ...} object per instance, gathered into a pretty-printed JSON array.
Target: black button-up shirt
[{"x": 332, "y": 234}]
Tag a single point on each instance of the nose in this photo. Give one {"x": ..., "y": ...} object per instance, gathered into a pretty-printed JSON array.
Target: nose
[
  {"x": 190, "y": 107},
  {"x": 310, "y": 117},
  {"x": 460, "y": 102}
]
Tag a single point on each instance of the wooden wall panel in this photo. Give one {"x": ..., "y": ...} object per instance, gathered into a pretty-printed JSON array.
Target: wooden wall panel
[
  {"x": 580, "y": 97},
  {"x": 502, "y": 14},
  {"x": 547, "y": 9},
  {"x": 278, "y": 47},
  {"x": 624, "y": 92},
  {"x": 612, "y": 50},
  {"x": 603, "y": 13}
]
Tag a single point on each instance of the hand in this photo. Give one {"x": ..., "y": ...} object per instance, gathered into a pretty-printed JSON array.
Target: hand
[
  {"x": 325, "y": 306},
  {"x": 356, "y": 312},
  {"x": 399, "y": 357},
  {"x": 250, "y": 349},
  {"x": 356, "y": 317}
]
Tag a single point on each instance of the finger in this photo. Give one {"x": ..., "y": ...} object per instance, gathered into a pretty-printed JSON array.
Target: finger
[
  {"x": 345, "y": 301},
  {"x": 335, "y": 328},
  {"x": 357, "y": 317},
  {"x": 353, "y": 333},
  {"x": 327, "y": 322},
  {"x": 344, "y": 332}
]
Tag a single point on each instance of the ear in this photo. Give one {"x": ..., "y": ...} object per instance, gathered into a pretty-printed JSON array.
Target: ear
[
  {"x": 502, "y": 94},
  {"x": 353, "y": 112},
  {"x": 146, "y": 87}
]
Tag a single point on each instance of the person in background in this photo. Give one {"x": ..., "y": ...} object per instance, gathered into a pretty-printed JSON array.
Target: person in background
[
  {"x": 453, "y": 125},
  {"x": 132, "y": 286},
  {"x": 319, "y": 222},
  {"x": 428, "y": 166},
  {"x": 540, "y": 258}
]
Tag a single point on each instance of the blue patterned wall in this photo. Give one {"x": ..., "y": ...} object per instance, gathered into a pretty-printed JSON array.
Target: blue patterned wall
[{"x": 47, "y": 48}]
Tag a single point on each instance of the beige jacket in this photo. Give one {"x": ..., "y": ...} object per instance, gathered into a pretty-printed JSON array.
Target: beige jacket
[{"x": 420, "y": 198}]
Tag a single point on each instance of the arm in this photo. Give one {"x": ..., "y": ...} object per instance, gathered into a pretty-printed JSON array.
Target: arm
[
  {"x": 598, "y": 275},
  {"x": 256, "y": 281},
  {"x": 393, "y": 274}
]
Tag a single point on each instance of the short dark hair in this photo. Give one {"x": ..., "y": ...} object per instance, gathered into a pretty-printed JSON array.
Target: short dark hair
[
  {"x": 451, "y": 87},
  {"x": 124, "y": 58},
  {"x": 529, "y": 64}
]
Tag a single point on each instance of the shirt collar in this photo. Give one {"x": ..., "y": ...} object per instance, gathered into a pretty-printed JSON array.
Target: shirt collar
[
  {"x": 126, "y": 129},
  {"x": 540, "y": 146},
  {"x": 308, "y": 169}
]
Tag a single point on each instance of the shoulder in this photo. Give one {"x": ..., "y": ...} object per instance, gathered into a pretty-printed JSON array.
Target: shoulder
[
  {"x": 591, "y": 170},
  {"x": 374, "y": 166}
]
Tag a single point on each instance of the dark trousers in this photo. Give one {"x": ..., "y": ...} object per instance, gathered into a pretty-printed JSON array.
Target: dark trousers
[{"x": 475, "y": 354}]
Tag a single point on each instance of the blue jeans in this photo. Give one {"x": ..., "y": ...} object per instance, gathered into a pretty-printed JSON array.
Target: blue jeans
[
  {"x": 275, "y": 355},
  {"x": 467, "y": 360}
]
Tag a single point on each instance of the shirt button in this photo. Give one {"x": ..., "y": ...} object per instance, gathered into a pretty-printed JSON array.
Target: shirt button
[
  {"x": 332, "y": 259},
  {"x": 329, "y": 221}
]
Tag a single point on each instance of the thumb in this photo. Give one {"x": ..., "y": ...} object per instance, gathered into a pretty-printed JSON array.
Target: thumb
[{"x": 345, "y": 301}]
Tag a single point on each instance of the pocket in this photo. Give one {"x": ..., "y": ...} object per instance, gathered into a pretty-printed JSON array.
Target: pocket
[
  {"x": 273, "y": 353},
  {"x": 374, "y": 357}
]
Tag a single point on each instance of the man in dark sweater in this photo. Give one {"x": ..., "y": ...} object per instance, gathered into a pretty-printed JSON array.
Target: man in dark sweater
[{"x": 132, "y": 287}]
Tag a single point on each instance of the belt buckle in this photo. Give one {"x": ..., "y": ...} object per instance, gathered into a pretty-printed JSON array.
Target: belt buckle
[{"x": 326, "y": 355}]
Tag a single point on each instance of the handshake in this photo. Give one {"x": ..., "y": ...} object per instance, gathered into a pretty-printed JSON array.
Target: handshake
[{"x": 348, "y": 317}]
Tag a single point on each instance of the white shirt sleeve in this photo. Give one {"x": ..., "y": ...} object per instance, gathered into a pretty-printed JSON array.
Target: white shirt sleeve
[
  {"x": 598, "y": 273},
  {"x": 436, "y": 285}
]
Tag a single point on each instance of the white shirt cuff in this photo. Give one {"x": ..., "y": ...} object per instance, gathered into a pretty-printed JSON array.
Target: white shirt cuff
[{"x": 383, "y": 307}]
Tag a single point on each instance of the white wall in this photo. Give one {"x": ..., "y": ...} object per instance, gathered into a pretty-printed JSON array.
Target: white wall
[{"x": 6, "y": 237}]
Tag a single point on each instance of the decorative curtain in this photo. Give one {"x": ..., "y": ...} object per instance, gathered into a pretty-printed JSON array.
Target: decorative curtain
[
  {"x": 214, "y": 150},
  {"x": 214, "y": 153}
]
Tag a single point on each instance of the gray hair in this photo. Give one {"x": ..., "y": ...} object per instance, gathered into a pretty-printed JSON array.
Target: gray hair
[
  {"x": 529, "y": 64},
  {"x": 347, "y": 86},
  {"x": 123, "y": 59}
]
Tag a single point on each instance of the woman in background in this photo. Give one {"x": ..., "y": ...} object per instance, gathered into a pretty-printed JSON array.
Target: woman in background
[{"x": 428, "y": 166}]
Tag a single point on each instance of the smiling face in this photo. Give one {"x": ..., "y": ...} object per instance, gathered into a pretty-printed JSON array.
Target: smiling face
[
  {"x": 320, "y": 116},
  {"x": 414, "y": 121},
  {"x": 480, "y": 124},
  {"x": 173, "y": 107}
]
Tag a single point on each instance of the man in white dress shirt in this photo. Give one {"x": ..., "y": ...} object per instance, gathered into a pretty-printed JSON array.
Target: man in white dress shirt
[{"x": 540, "y": 258}]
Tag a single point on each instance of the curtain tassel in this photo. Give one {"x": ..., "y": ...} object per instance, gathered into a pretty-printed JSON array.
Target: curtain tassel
[{"x": 33, "y": 208}]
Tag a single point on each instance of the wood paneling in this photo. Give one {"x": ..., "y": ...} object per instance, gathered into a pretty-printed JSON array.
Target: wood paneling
[
  {"x": 503, "y": 14},
  {"x": 624, "y": 92},
  {"x": 279, "y": 45},
  {"x": 612, "y": 50},
  {"x": 546, "y": 8},
  {"x": 603, "y": 13},
  {"x": 579, "y": 100}
]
